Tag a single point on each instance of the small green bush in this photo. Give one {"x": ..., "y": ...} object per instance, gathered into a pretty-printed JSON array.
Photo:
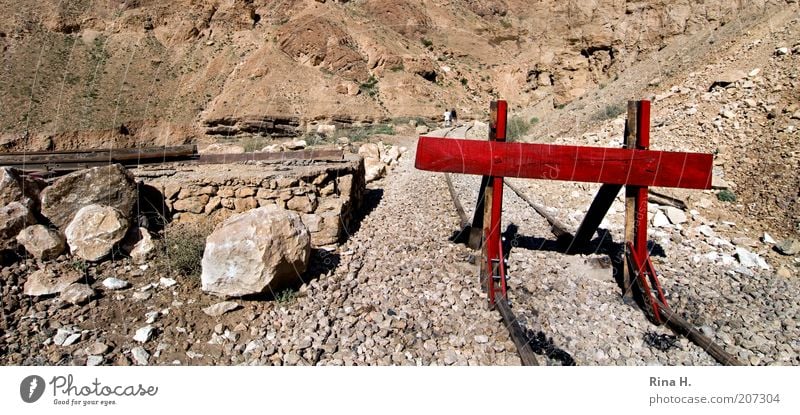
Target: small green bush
[
  {"x": 610, "y": 111},
  {"x": 285, "y": 296},
  {"x": 370, "y": 87},
  {"x": 251, "y": 144},
  {"x": 426, "y": 42},
  {"x": 726, "y": 195},
  {"x": 534, "y": 120},
  {"x": 364, "y": 132},
  {"x": 517, "y": 127},
  {"x": 183, "y": 248}
]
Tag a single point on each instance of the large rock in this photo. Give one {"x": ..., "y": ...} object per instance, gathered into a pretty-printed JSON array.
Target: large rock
[
  {"x": 249, "y": 252},
  {"x": 42, "y": 242},
  {"x": 15, "y": 188},
  {"x": 48, "y": 281},
  {"x": 374, "y": 169},
  {"x": 14, "y": 217},
  {"x": 109, "y": 185},
  {"x": 95, "y": 230},
  {"x": 143, "y": 248},
  {"x": 370, "y": 150},
  {"x": 77, "y": 294}
]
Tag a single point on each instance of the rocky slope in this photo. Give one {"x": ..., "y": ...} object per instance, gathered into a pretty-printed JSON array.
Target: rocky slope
[{"x": 100, "y": 73}]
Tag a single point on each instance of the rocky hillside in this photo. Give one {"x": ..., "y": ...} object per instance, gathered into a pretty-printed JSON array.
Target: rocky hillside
[{"x": 144, "y": 72}]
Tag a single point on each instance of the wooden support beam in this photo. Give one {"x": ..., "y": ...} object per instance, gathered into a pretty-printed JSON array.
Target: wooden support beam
[
  {"x": 597, "y": 211},
  {"x": 560, "y": 162},
  {"x": 630, "y": 205}
]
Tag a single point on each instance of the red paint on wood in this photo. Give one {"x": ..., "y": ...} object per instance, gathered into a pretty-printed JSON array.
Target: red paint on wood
[{"x": 559, "y": 162}]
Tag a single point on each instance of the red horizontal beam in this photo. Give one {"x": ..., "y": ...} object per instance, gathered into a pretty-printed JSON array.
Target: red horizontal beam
[{"x": 572, "y": 163}]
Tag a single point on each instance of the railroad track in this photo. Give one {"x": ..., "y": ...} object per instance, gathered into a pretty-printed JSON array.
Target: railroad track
[
  {"x": 521, "y": 336},
  {"x": 59, "y": 162}
]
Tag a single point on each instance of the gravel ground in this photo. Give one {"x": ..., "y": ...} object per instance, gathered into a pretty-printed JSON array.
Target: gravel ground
[{"x": 399, "y": 292}]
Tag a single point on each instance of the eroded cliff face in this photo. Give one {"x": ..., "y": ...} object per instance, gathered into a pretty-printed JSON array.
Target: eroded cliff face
[{"x": 98, "y": 73}]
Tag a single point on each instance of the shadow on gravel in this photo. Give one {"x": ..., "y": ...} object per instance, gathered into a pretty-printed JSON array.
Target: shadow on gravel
[
  {"x": 321, "y": 263},
  {"x": 372, "y": 198},
  {"x": 542, "y": 345},
  {"x": 601, "y": 245}
]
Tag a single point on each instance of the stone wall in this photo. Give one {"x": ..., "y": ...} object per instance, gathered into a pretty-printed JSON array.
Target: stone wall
[{"x": 327, "y": 195}]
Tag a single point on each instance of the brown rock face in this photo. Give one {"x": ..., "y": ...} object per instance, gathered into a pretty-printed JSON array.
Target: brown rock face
[
  {"x": 319, "y": 42},
  {"x": 110, "y": 185}
]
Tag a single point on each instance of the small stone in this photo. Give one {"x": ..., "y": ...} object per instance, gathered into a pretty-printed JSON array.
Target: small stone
[
  {"x": 782, "y": 51},
  {"x": 112, "y": 283},
  {"x": 151, "y": 316},
  {"x": 140, "y": 355},
  {"x": 219, "y": 309},
  {"x": 48, "y": 282},
  {"x": 97, "y": 348},
  {"x": 481, "y": 339},
  {"x": 788, "y": 247},
  {"x": 660, "y": 220},
  {"x": 94, "y": 360},
  {"x": 767, "y": 239},
  {"x": 749, "y": 259},
  {"x": 295, "y": 145},
  {"x": 141, "y": 296},
  {"x": 144, "y": 334},
  {"x": 705, "y": 230},
  {"x": 784, "y": 272},
  {"x": 61, "y": 335},
  {"x": 77, "y": 294},
  {"x": 675, "y": 215},
  {"x": 167, "y": 282},
  {"x": 71, "y": 339}
]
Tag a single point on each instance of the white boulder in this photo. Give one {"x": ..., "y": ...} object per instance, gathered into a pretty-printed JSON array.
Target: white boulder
[{"x": 255, "y": 250}]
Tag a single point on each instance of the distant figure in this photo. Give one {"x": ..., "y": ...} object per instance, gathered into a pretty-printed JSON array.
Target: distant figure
[
  {"x": 447, "y": 118},
  {"x": 453, "y": 116}
]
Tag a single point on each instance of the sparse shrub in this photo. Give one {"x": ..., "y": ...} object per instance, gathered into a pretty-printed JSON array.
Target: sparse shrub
[
  {"x": 726, "y": 195},
  {"x": 285, "y": 296},
  {"x": 253, "y": 143},
  {"x": 464, "y": 81},
  {"x": 80, "y": 265},
  {"x": 534, "y": 120},
  {"x": 561, "y": 106},
  {"x": 397, "y": 68},
  {"x": 183, "y": 248},
  {"x": 517, "y": 127},
  {"x": 610, "y": 111},
  {"x": 426, "y": 42},
  {"x": 370, "y": 87},
  {"x": 364, "y": 132}
]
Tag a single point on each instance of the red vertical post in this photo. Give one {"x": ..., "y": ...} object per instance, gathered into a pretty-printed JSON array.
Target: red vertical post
[
  {"x": 642, "y": 143},
  {"x": 493, "y": 246}
]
